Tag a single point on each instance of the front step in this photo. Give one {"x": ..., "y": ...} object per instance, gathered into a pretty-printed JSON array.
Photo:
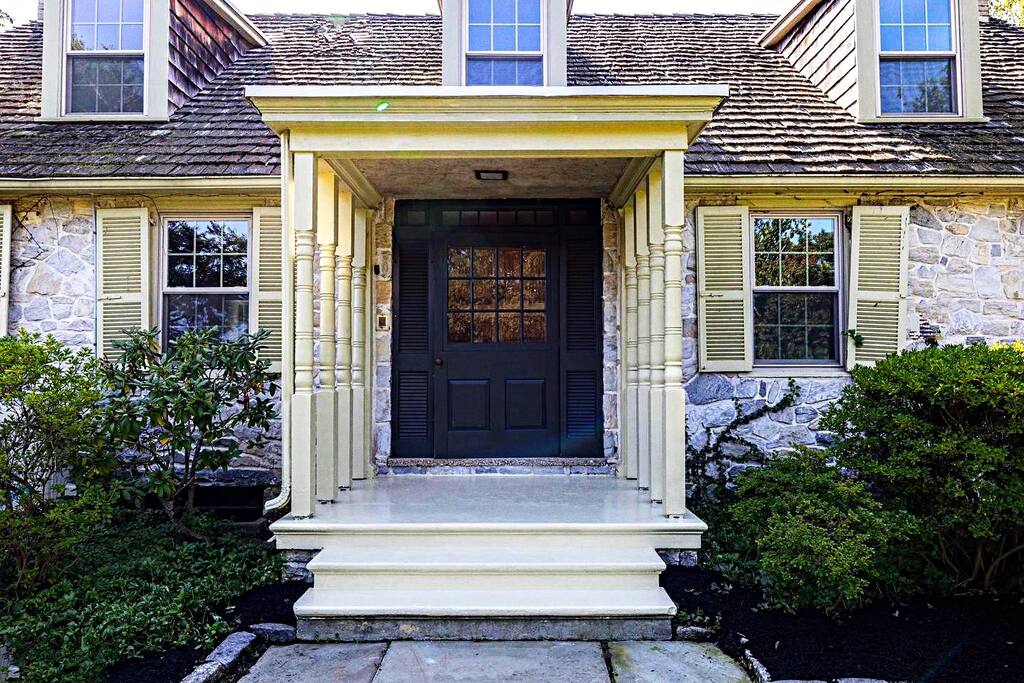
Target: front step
[{"x": 533, "y": 588}]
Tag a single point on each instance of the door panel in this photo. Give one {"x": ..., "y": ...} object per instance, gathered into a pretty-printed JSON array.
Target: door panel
[{"x": 512, "y": 308}]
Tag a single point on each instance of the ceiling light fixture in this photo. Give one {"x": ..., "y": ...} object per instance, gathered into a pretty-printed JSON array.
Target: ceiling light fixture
[{"x": 492, "y": 175}]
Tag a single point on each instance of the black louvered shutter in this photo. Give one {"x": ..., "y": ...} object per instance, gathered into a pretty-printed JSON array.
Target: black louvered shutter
[
  {"x": 410, "y": 421},
  {"x": 582, "y": 381}
]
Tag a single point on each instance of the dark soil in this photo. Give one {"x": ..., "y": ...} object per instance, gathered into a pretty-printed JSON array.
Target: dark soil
[
  {"x": 270, "y": 604},
  {"x": 959, "y": 639}
]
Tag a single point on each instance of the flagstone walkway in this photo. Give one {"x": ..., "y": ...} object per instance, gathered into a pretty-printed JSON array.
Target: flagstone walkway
[{"x": 505, "y": 662}]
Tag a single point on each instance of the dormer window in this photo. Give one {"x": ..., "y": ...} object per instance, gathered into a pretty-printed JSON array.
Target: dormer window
[
  {"x": 504, "y": 40},
  {"x": 105, "y": 57},
  {"x": 918, "y": 61}
]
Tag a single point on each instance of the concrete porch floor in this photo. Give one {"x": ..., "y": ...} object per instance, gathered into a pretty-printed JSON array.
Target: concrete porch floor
[{"x": 490, "y": 501}]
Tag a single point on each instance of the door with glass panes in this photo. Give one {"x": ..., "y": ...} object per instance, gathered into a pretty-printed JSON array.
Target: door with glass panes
[{"x": 497, "y": 335}]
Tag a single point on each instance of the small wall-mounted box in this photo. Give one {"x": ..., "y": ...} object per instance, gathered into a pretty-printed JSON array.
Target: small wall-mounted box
[{"x": 383, "y": 323}]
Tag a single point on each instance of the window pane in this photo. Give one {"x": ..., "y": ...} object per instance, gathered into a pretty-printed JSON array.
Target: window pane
[
  {"x": 109, "y": 11},
  {"x": 767, "y": 270},
  {"x": 535, "y": 327},
  {"x": 478, "y": 72},
  {"x": 504, "y": 72},
  {"x": 529, "y": 11},
  {"x": 504, "y": 11},
  {"x": 479, "y": 11},
  {"x": 484, "y": 297},
  {"x": 794, "y": 270},
  {"x": 821, "y": 270},
  {"x": 484, "y": 261},
  {"x": 504, "y": 38},
  {"x": 530, "y": 72},
  {"x": 485, "y": 328},
  {"x": 180, "y": 271},
  {"x": 458, "y": 262},
  {"x": 83, "y": 11},
  {"x": 529, "y": 38},
  {"x": 106, "y": 84},
  {"x": 891, "y": 12},
  {"x": 509, "y": 263},
  {"x": 131, "y": 37},
  {"x": 236, "y": 271},
  {"x": 939, "y": 12},
  {"x": 208, "y": 271},
  {"x": 892, "y": 39},
  {"x": 180, "y": 237},
  {"x": 913, "y": 11},
  {"x": 821, "y": 235},
  {"x": 510, "y": 294},
  {"x": 236, "y": 237},
  {"x": 479, "y": 38},
  {"x": 917, "y": 86},
  {"x": 793, "y": 233},
  {"x": 509, "y": 328},
  {"x": 208, "y": 237},
  {"x": 228, "y": 314},
  {"x": 131, "y": 10},
  {"x": 83, "y": 37},
  {"x": 533, "y": 263},
  {"x": 795, "y": 327},
  {"x": 534, "y": 294},
  {"x": 459, "y": 328},
  {"x": 940, "y": 38},
  {"x": 766, "y": 234},
  {"x": 914, "y": 39}
]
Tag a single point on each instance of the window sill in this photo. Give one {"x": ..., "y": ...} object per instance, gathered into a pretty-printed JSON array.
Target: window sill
[
  {"x": 923, "y": 119},
  {"x": 787, "y": 371},
  {"x": 102, "y": 118}
]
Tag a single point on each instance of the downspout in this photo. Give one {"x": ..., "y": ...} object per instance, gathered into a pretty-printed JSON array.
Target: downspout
[
  {"x": 95, "y": 272},
  {"x": 287, "y": 332}
]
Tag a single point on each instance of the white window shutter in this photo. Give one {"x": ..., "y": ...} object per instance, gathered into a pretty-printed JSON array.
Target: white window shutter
[
  {"x": 725, "y": 298},
  {"x": 6, "y": 220},
  {"x": 268, "y": 284},
  {"x": 123, "y": 275},
  {"x": 878, "y": 282}
]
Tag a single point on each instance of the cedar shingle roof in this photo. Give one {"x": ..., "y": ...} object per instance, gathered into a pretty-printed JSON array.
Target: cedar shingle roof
[{"x": 775, "y": 121}]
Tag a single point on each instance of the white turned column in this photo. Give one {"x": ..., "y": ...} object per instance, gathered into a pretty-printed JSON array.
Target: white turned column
[
  {"x": 656, "y": 211},
  {"x": 344, "y": 389},
  {"x": 302, "y": 421},
  {"x": 326, "y": 397},
  {"x": 643, "y": 401},
  {"x": 675, "y": 394},
  {"x": 359, "y": 435},
  {"x": 630, "y": 442}
]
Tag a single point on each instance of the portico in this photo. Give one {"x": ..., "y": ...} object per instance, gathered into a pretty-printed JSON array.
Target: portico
[{"x": 349, "y": 153}]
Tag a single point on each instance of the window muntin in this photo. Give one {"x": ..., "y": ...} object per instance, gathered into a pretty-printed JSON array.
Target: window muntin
[
  {"x": 106, "y": 57},
  {"x": 918, "y": 57},
  {"x": 206, "y": 285},
  {"x": 497, "y": 295},
  {"x": 796, "y": 289},
  {"x": 504, "y": 40}
]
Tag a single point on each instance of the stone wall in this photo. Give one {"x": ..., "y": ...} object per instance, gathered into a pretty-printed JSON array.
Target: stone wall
[
  {"x": 966, "y": 278},
  {"x": 53, "y": 288}
]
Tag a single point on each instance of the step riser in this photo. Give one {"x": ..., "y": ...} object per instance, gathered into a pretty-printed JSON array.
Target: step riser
[
  {"x": 495, "y": 582},
  {"x": 488, "y": 629},
  {"x": 488, "y": 540}
]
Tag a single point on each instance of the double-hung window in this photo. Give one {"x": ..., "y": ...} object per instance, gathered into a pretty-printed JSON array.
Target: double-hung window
[
  {"x": 797, "y": 284},
  {"x": 918, "y": 60},
  {"x": 106, "y": 57},
  {"x": 207, "y": 276},
  {"x": 504, "y": 40}
]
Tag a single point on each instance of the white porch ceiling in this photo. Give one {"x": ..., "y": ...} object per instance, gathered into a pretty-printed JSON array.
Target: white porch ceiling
[{"x": 455, "y": 178}]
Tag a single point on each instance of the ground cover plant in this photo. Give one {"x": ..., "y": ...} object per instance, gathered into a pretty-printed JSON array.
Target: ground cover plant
[{"x": 139, "y": 588}]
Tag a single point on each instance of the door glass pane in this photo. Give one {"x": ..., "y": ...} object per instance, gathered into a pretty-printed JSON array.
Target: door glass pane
[
  {"x": 459, "y": 328},
  {"x": 508, "y": 326},
  {"x": 484, "y": 328}
]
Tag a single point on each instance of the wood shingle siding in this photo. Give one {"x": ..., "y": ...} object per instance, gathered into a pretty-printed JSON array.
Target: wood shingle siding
[
  {"x": 823, "y": 48},
  {"x": 202, "y": 46}
]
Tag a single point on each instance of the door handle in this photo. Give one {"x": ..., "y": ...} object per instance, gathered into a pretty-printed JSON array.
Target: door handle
[{"x": 439, "y": 362}]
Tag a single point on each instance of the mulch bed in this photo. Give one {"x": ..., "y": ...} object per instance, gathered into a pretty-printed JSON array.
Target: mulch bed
[
  {"x": 270, "y": 604},
  {"x": 959, "y": 639}
]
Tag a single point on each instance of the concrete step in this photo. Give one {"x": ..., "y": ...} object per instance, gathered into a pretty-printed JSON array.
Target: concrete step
[
  {"x": 485, "y": 603},
  {"x": 522, "y": 566}
]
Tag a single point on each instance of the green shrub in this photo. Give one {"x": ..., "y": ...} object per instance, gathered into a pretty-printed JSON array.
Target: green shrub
[
  {"x": 48, "y": 406},
  {"x": 814, "y": 537},
  {"x": 138, "y": 589},
  {"x": 939, "y": 433},
  {"x": 176, "y": 413}
]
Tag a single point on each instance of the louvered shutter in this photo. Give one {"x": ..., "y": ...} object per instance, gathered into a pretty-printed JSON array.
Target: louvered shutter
[
  {"x": 123, "y": 275},
  {"x": 725, "y": 297},
  {"x": 6, "y": 218},
  {"x": 268, "y": 302},
  {"x": 878, "y": 277},
  {"x": 413, "y": 365}
]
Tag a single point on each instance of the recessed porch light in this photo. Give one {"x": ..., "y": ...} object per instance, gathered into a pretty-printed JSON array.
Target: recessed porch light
[{"x": 492, "y": 175}]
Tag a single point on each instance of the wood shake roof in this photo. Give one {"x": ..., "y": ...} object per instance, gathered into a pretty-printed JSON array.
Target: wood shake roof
[{"x": 775, "y": 122}]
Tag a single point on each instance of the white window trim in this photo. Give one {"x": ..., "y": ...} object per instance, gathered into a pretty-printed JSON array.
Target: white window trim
[
  {"x": 467, "y": 54},
  {"x": 841, "y": 290},
  {"x": 956, "y": 54},
  {"x": 56, "y": 53},
  {"x": 165, "y": 289},
  {"x": 967, "y": 42}
]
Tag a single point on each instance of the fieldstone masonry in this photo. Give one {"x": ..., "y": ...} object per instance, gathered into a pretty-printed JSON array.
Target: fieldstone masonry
[{"x": 966, "y": 279}]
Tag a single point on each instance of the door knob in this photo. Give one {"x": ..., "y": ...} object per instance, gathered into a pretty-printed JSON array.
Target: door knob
[{"x": 439, "y": 362}]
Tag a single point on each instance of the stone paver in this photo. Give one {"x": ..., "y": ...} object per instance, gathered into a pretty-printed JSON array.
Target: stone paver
[
  {"x": 435, "y": 662},
  {"x": 673, "y": 662},
  {"x": 334, "y": 663}
]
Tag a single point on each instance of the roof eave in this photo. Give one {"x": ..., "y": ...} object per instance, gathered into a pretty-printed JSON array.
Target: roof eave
[
  {"x": 784, "y": 24},
  {"x": 231, "y": 14}
]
